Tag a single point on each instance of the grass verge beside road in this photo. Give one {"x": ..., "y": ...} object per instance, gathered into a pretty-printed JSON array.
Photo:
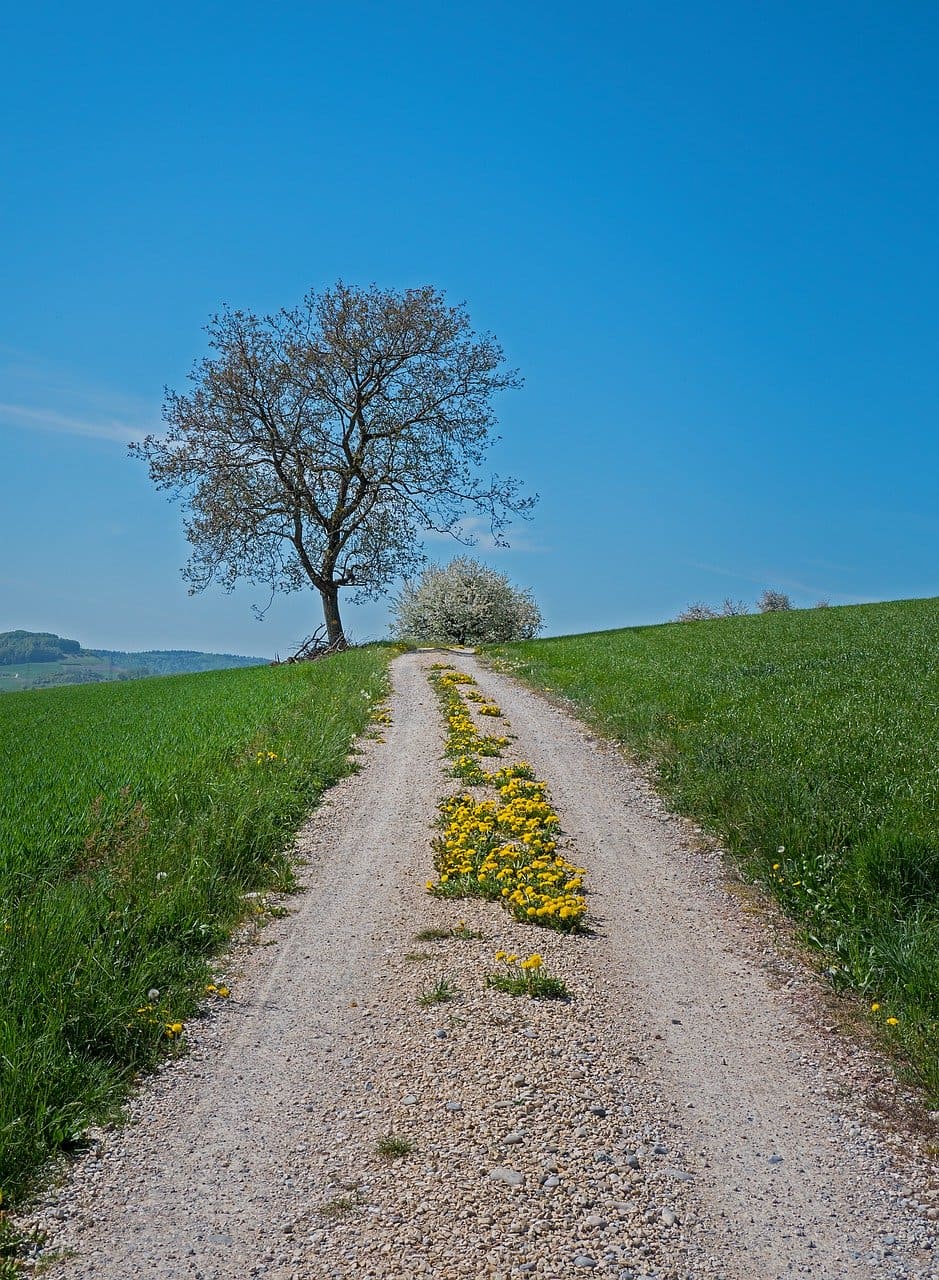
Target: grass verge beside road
[
  {"x": 133, "y": 819},
  {"x": 809, "y": 743}
]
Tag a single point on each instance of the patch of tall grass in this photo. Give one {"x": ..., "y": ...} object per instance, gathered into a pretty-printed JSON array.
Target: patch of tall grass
[
  {"x": 133, "y": 820},
  {"x": 809, "y": 742}
]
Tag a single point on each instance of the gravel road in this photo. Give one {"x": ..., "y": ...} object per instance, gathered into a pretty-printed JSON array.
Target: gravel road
[{"x": 690, "y": 1113}]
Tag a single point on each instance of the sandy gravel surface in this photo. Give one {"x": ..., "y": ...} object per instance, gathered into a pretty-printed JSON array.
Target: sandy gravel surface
[{"x": 683, "y": 1116}]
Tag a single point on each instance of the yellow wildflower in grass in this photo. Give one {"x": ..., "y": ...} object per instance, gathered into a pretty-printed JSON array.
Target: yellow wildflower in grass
[
  {"x": 173, "y": 1029},
  {"x": 875, "y": 1007},
  {"x": 892, "y": 1022}
]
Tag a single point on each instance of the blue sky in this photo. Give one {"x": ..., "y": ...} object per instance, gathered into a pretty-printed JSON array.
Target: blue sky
[{"x": 705, "y": 233}]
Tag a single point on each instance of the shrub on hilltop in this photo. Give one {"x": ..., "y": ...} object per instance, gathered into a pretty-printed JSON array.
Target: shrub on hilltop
[
  {"x": 464, "y": 602},
  {"x": 774, "y": 602},
  {"x": 697, "y": 612},
  {"x": 769, "y": 602}
]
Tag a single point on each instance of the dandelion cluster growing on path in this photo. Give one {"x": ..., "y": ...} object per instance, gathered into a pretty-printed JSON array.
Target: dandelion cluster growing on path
[{"x": 503, "y": 848}]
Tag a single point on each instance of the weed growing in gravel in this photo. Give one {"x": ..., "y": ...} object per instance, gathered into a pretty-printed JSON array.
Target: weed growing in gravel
[
  {"x": 392, "y": 1147},
  {"x": 464, "y": 934},
  {"x": 440, "y": 993},
  {"x": 340, "y": 1205},
  {"x": 526, "y": 978}
]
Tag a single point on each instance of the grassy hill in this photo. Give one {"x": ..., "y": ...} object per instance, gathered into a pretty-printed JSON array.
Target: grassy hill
[
  {"x": 808, "y": 742},
  {"x": 36, "y": 660}
]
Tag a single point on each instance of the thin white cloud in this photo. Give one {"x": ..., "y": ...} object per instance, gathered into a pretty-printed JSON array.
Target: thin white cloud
[
  {"x": 31, "y": 418},
  {"x": 774, "y": 581},
  {"x": 40, "y": 395}
]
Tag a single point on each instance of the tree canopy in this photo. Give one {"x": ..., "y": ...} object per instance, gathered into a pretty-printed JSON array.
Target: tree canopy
[{"x": 318, "y": 445}]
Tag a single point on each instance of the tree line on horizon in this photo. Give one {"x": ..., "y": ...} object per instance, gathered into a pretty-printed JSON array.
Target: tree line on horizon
[{"x": 769, "y": 602}]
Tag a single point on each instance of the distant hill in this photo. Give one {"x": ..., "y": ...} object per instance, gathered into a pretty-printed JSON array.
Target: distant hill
[
  {"x": 35, "y": 646},
  {"x": 172, "y": 662},
  {"x": 37, "y": 659}
]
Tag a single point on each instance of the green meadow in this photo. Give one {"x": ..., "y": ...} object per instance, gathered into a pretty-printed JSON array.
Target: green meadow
[
  {"x": 134, "y": 818},
  {"x": 31, "y": 675},
  {"x": 808, "y": 742}
]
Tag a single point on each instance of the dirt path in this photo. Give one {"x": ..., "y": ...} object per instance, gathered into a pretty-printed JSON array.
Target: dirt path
[{"x": 676, "y": 1120}]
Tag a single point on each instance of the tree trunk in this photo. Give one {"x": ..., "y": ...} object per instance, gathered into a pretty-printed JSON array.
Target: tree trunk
[{"x": 334, "y": 633}]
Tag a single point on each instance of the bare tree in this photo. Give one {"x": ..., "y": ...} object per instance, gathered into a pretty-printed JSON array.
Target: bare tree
[
  {"x": 734, "y": 608},
  {"x": 317, "y": 445}
]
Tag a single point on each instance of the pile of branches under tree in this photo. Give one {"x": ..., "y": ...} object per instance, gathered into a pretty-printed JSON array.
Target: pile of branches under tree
[{"x": 318, "y": 645}]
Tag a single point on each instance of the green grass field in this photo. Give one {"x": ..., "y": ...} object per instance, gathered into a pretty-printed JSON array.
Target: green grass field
[
  {"x": 30, "y": 675},
  {"x": 133, "y": 819},
  {"x": 808, "y": 742}
]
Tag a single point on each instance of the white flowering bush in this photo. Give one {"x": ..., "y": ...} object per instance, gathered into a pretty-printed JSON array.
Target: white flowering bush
[
  {"x": 464, "y": 602},
  {"x": 773, "y": 602},
  {"x": 697, "y": 612}
]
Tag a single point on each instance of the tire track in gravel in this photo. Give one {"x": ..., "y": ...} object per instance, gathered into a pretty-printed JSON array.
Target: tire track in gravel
[
  {"x": 788, "y": 1187},
  {"x": 214, "y": 1163}
]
